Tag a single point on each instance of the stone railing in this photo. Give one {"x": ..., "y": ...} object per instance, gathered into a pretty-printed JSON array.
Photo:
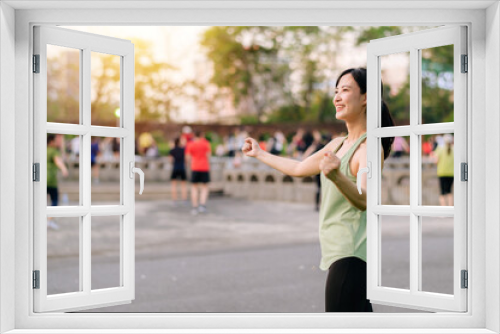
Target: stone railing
[
  {"x": 155, "y": 169},
  {"x": 263, "y": 183},
  {"x": 254, "y": 180}
]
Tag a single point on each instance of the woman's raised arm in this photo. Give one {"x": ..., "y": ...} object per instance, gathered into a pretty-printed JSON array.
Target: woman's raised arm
[{"x": 307, "y": 167}]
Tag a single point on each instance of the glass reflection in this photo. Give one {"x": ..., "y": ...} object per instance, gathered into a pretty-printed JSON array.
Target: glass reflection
[
  {"x": 437, "y": 85},
  {"x": 63, "y": 170},
  {"x": 105, "y": 92},
  {"x": 395, "y": 74},
  {"x": 63, "y": 84},
  {"x": 437, "y": 169}
]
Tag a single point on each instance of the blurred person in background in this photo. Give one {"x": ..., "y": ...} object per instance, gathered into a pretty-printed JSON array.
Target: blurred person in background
[
  {"x": 444, "y": 157},
  {"x": 187, "y": 134},
  {"x": 116, "y": 148},
  {"x": 75, "y": 148},
  {"x": 399, "y": 146},
  {"x": 296, "y": 143},
  {"x": 94, "y": 153},
  {"x": 276, "y": 143},
  {"x": 427, "y": 146},
  {"x": 177, "y": 160},
  {"x": 198, "y": 154},
  {"x": 319, "y": 141},
  {"x": 54, "y": 163}
]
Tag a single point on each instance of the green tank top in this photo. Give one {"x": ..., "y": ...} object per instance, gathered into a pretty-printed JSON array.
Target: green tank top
[{"x": 342, "y": 227}]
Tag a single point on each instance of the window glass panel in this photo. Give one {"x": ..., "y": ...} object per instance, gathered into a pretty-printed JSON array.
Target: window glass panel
[
  {"x": 437, "y": 254},
  {"x": 63, "y": 255},
  {"x": 106, "y": 174},
  {"x": 437, "y": 169},
  {"x": 105, "y": 89},
  {"x": 395, "y": 183},
  {"x": 106, "y": 232},
  {"x": 395, "y": 74},
  {"x": 63, "y": 170},
  {"x": 437, "y": 84},
  {"x": 63, "y": 84},
  {"x": 395, "y": 251}
]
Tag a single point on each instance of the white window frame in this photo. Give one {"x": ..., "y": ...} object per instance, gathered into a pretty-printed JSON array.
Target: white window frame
[
  {"x": 413, "y": 43},
  {"x": 86, "y": 297},
  {"x": 484, "y": 211}
]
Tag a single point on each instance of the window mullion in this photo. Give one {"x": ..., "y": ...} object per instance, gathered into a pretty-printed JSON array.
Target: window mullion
[
  {"x": 414, "y": 170},
  {"x": 85, "y": 235}
]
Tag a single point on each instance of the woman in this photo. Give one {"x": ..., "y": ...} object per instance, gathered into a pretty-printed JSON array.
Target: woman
[{"x": 342, "y": 228}]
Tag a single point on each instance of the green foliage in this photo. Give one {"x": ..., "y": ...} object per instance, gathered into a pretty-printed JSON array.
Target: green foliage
[
  {"x": 287, "y": 114},
  {"x": 154, "y": 91},
  {"x": 158, "y": 136},
  {"x": 398, "y": 103},
  {"x": 163, "y": 149},
  {"x": 366, "y": 34},
  {"x": 249, "y": 119},
  {"x": 256, "y": 63},
  {"x": 63, "y": 80},
  {"x": 437, "y": 68}
]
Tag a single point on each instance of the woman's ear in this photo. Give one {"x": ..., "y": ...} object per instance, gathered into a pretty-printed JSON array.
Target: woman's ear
[{"x": 363, "y": 100}]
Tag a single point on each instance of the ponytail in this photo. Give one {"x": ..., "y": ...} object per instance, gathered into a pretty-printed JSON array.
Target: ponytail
[{"x": 386, "y": 121}]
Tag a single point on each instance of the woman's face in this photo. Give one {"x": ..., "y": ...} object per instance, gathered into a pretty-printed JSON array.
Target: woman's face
[{"x": 349, "y": 102}]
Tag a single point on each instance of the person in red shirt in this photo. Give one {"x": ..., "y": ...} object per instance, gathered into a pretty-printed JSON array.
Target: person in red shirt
[{"x": 198, "y": 154}]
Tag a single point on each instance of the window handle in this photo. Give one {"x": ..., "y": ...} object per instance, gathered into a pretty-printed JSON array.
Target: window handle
[
  {"x": 367, "y": 170},
  {"x": 133, "y": 170}
]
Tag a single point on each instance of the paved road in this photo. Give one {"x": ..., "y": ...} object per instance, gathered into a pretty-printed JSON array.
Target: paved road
[{"x": 241, "y": 256}]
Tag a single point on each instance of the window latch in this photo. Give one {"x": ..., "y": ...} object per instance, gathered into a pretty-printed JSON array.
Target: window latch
[
  {"x": 133, "y": 170},
  {"x": 368, "y": 170}
]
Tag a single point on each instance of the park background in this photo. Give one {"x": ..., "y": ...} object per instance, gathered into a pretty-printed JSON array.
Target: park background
[{"x": 272, "y": 83}]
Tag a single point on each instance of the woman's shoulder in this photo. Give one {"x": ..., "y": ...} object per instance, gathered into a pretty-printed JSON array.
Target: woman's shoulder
[{"x": 334, "y": 143}]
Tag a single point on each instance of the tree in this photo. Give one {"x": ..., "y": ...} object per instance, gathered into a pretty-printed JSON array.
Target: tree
[
  {"x": 155, "y": 92},
  {"x": 277, "y": 73},
  {"x": 246, "y": 61},
  {"x": 437, "y": 79}
]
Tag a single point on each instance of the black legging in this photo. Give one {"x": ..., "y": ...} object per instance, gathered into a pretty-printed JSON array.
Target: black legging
[{"x": 346, "y": 286}]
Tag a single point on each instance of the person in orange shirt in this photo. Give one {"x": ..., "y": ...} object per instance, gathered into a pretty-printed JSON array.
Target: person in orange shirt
[{"x": 198, "y": 154}]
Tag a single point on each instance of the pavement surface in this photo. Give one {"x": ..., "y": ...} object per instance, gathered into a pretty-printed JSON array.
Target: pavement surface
[{"x": 240, "y": 256}]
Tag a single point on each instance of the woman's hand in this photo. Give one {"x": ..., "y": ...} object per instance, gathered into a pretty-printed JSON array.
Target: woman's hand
[
  {"x": 251, "y": 148},
  {"x": 329, "y": 164}
]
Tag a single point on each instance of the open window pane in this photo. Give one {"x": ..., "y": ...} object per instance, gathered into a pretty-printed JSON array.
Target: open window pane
[
  {"x": 106, "y": 170},
  {"x": 105, "y": 89},
  {"x": 62, "y": 155},
  {"x": 395, "y": 74},
  {"x": 106, "y": 236},
  {"x": 63, "y": 170},
  {"x": 437, "y": 169},
  {"x": 395, "y": 244},
  {"x": 437, "y": 254},
  {"x": 437, "y": 84},
  {"x": 63, "y": 84},
  {"x": 395, "y": 183},
  {"x": 433, "y": 83},
  {"x": 63, "y": 254}
]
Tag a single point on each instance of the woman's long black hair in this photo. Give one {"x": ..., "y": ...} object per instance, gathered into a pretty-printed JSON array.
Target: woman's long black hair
[{"x": 359, "y": 75}]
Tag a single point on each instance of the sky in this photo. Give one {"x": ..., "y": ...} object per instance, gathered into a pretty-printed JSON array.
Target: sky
[{"x": 177, "y": 46}]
